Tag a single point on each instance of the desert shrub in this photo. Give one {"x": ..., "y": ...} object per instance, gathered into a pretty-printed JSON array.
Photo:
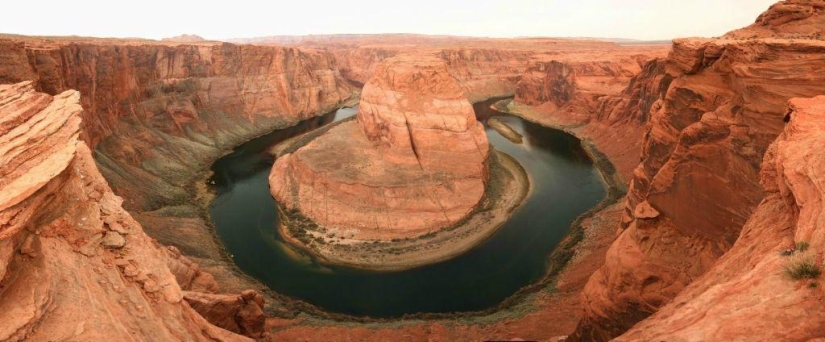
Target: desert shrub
[
  {"x": 802, "y": 267},
  {"x": 802, "y": 246}
]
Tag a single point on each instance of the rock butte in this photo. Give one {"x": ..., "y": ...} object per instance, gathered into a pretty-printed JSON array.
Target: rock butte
[
  {"x": 730, "y": 176},
  {"x": 414, "y": 162}
]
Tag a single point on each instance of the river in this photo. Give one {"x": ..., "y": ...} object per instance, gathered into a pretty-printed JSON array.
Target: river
[{"x": 565, "y": 185}]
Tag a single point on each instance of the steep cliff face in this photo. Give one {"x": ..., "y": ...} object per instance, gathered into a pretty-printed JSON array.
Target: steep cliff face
[
  {"x": 484, "y": 67},
  {"x": 73, "y": 264},
  {"x": 485, "y": 73},
  {"x": 580, "y": 92},
  {"x": 749, "y": 293},
  {"x": 156, "y": 115},
  {"x": 547, "y": 82},
  {"x": 188, "y": 102},
  {"x": 604, "y": 98},
  {"x": 699, "y": 178},
  {"x": 413, "y": 163},
  {"x": 358, "y": 64},
  {"x": 481, "y": 72}
]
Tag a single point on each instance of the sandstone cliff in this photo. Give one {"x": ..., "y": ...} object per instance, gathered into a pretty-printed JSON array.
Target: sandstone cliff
[
  {"x": 188, "y": 101},
  {"x": 484, "y": 67},
  {"x": 748, "y": 294},
  {"x": 722, "y": 105},
  {"x": 73, "y": 264},
  {"x": 157, "y": 115},
  {"x": 603, "y": 97},
  {"x": 415, "y": 161}
]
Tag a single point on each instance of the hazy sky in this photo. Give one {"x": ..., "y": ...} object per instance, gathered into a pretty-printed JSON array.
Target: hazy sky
[{"x": 640, "y": 19}]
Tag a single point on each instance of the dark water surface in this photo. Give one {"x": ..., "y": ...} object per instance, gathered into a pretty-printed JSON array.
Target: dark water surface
[{"x": 565, "y": 185}]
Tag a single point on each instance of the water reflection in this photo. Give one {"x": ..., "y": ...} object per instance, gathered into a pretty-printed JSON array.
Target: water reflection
[{"x": 565, "y": 184}]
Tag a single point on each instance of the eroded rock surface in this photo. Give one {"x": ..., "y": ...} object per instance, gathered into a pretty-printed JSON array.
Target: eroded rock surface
[
  {"x": 74, "y": 265},
  {"x": 698, "y": 183},
  {"x": 158, "y": 114},
  {"x": 601, "y": 97},
  {"x": 413, "y": 163},
  {"x": 748, "y": 294}
]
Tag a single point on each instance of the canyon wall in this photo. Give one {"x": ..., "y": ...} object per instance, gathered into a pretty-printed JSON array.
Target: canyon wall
[
  {"x": 698, "y": 183},
  {"x": 173, "y": 107},
  {"x": 157, "y": 115},
  {"x": 482, "y": 72},
  {"x": 74, "y": 265},
  {"x": 485, "y": 67},
  {"x": 749, "y": 293},
  {"x": 603, "y": 97}
]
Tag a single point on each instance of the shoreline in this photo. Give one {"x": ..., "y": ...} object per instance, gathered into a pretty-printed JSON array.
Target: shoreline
[
  {"x": 226, "y": 272},
  {"x": 509, "y": 189},
  {"x": 517, "y": 305},
  {"x": 563, "y": 260},
  {"x": 615, "y": 186}
]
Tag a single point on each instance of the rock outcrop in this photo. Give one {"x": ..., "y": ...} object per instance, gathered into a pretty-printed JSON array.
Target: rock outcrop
[
  {"x": 414, "y": 162},
  {"x": 157, "y": 115},
  {"x": 748, "y": 294},
  {"x": 789, "y": 19},
  {"x": 74, "y": 265},
  {"x": 721, "y": 103},
  {"x": 192, "y": 101},
  {"x": 484, "y": 67},
  {"x": 242, "y": 314}
]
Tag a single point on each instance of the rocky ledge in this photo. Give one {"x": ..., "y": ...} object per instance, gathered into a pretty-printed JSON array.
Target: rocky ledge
[
  {"x": 74, "y": 265},
  {"x": 415, "y": 163},
  {"x": 766, "y": 287}
]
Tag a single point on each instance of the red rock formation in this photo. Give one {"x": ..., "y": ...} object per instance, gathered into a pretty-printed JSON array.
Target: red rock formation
[
  {"x": 160, "y": 114},
  {"x": 700, "y": 170},
  {"x": 787, "y": 19},
  {"x": 414, "y": 162},
  {"x": 195, "y": 101},
  {"x": 484, "y": 67},
  {"x": 73, "y": 264},
  {"x": 603, "y": 97},
  {"x": 482, "y": 72},
  {"x": 748, "y": 295},
  {"x": 242, "y": 314}
]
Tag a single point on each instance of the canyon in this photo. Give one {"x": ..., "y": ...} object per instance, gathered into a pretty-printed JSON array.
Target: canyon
[
  {"x": 414, "y": 163},
  {"x": 710, "y": 149}
]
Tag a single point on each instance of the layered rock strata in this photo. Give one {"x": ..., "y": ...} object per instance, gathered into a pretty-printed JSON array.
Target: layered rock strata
[
  {"x": 414, "y": 162},
  {"x": 698, "y": 183},
  {"x": 74, "y": 265},
  {"x": 749, "y": 293},
  {"x": 157, "y": 115},
  {"x": 485, "y": 67},
  {"x": 604, "y": 100}
]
